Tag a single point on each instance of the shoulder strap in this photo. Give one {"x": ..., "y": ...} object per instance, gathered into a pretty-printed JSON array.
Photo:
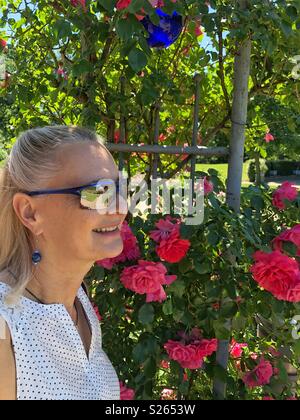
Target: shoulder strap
[{"x": 83, "y": 285}]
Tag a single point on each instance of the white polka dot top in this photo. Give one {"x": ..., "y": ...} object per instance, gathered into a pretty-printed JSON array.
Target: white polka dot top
[{"x": 51, "y": 360}]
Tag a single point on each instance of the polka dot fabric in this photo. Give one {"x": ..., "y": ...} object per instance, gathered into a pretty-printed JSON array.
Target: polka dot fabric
[{"x": 51, "y": 360}]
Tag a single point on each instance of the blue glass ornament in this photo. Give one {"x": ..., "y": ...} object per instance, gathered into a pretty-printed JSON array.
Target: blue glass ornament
[
  {"x": 168, "y": 31},
  {"x": 36, "y": 257}
]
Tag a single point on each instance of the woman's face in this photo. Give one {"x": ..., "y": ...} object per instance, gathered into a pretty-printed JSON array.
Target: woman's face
[{"x": 66, "y": 228}]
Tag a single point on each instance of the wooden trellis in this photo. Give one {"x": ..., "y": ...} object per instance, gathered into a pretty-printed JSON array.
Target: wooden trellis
[{"x": 155, "y": 149}]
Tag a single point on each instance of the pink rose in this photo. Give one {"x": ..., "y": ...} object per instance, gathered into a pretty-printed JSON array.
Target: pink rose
[
  {"x": 198, "y": 30},
  {"x": 165, "y": 364},
  {"x": 290, "y": 235},
  {"x": 126, "y": 393},
  {"x": 157, "y": 3},
  {"x": 208, "y": 186},
  {"x": 76, "y": 3},
  {"x": 206, "y": 348},
  {"x": 96, "y": 309},
  {"x": 179, "y": 352},
  {"x": 286, "y": 192},
  {"x": 259, "y": 376},
  {"x": 236, "y": 349},
  {"x": 191, "y": 356},
  {"x": 158, "y": 296},
  {"x": 276, "y": 273},
  {"x": 173, "y": 249},
  {"x": 147, "y": 277},
  {"x": 164, "y": 228},
  {"x": 293, "y": 294},
  {"x": 168, "y": 394},
  {"x": 269, "y": 137}
]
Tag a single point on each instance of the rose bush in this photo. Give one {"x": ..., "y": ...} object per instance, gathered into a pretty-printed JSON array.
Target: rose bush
[{"x": 237, "y": 270}]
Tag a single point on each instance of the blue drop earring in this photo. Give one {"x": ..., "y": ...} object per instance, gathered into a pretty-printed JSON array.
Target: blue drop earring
[{"x": 36, "y": 257}]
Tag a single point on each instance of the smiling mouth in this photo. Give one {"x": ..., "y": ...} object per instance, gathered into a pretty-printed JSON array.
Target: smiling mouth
[{"x": 110, "y": 229}]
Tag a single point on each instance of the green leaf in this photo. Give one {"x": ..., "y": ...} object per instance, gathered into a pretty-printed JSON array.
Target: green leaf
[
  {"x": 126, "y": 28},
  {"x": 213, "y": 238},
  {"x": 292, "y": 12},
  {"x": 62, "y": 28},
  {"x": 221, "y": 330},
  {"x": 229, "y": 310},
  {"x": 202, "y": 267},
  {"x": 257, "y": 202},
  {"x": 168, "y": 307},
  {"x": 184, "y": 388},
  {"x": 82, "y": 67},
  {"x": 108, "y": 4},
  {"x": 137, "y": 59},
  {"x": 136, "y": 6},
  {"x": 178, "y": 288},
  {"x": 296, "y": 348},
  {"x": 146, "y": 314},
  {"x": 185, "y": 265},
  {"x": 177, "y": 314},
  {"x": 150, "y": 367},
  {"x": 286, "y": 28}
]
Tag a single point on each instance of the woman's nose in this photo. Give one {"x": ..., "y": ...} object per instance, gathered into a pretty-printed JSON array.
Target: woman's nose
[{"x": 118, "y": 204}]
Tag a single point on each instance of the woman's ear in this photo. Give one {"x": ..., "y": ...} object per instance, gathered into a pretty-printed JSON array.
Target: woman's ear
[{"x": 25, "y": 210}]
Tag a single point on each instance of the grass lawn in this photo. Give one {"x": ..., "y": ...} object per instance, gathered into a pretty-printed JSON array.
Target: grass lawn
[{"x": 222, "y": 168}]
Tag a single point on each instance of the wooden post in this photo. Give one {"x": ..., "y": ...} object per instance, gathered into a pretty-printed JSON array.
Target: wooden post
[
  {"x": 122, "y": 125},
  {"x": 195, "y": 137},
  {"x": 235, "y": 168}
]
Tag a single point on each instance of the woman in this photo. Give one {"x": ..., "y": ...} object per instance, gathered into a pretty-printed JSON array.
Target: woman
[{"x": 50, "y": 236}]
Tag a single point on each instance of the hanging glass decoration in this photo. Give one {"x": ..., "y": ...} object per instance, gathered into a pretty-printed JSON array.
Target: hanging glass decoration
[{"x": 168, "y": 31}]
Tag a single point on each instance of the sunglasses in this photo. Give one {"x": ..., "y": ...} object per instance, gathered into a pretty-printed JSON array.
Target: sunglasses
[{"x": 97, "y": 195}]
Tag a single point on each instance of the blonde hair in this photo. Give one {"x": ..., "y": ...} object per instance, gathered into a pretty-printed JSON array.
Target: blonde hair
[{"x": 32, "y": 162}]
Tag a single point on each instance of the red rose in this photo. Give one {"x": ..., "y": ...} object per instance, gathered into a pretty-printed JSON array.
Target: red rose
[
  {"x": 259, "y": 376},
  {"x": 276, "y": 273},
  {"x": 173, "y": 249},
  {"x": 126, "y": 393},
  {"x": 123, "y": 4},
  {"x": 3, "y": 43}
]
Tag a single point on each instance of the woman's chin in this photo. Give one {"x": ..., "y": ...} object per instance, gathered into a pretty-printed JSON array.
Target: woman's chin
[{"x": 112, "y": 250}]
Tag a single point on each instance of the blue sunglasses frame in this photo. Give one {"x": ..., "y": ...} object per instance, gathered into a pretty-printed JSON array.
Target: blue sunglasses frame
[{"x": 75, "y": 190}]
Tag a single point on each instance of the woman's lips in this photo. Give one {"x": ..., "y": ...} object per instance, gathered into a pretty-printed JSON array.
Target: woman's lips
[{"x": 108, "y": 234}]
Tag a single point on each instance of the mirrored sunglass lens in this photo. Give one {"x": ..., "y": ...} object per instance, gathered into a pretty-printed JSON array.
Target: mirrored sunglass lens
[{"x": 98, "y": 197}]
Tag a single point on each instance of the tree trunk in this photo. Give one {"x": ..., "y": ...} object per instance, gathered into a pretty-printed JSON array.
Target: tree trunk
[
  {"x": 235, "y": 170},
  {"x": 258, "y": 179}
]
